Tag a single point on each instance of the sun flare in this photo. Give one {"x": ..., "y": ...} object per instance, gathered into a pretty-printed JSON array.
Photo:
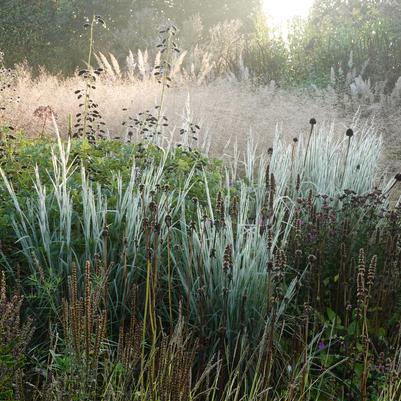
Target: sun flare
[{"x": 280, "y": 11}]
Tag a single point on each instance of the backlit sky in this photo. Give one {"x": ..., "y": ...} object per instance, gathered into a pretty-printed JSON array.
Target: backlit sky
[{"x": 282, "y": 10}]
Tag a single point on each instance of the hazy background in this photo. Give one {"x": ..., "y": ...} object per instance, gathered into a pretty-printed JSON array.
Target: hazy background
[
  {"x": 50, "y": 33},
  {"x": 244, "y": 64}
]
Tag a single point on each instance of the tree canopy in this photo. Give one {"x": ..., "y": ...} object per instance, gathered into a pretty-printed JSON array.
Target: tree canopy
[{"x": 50, "y": 32}]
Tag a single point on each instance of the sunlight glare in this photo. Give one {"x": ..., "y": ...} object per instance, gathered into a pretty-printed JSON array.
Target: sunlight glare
[{"x": 280, "y": 11}]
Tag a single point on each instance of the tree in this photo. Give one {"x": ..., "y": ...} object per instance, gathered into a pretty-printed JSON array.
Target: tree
[
  {"x": 335, "y": 28},
  {"x": 50, "y": 32}
]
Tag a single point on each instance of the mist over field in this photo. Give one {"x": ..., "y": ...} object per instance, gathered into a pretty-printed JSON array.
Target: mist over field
[{"x": 200, "y": 200}]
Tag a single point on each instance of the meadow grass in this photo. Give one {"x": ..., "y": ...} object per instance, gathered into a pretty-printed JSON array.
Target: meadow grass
[{"x": 168, "y": 276}]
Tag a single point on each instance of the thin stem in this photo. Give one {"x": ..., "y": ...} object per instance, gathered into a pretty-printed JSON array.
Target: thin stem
[
  {"x": 346, "y": 162},
  {"x": 88, "y": 86},
  {"x": 307, "y": 146}
]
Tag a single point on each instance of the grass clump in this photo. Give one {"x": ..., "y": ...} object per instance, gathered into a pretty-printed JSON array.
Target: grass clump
[{"x": 156, "y": 273}]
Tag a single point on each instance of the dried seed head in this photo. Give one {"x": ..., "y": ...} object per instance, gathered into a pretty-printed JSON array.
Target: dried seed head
[
  {"x": 310, "y": 199},
  {"x": 234, "y": 208},
  {"x": 372, "y": 271},
  {"x": 312, "y": 121},
  {"x": 88, "y": 308},
  {"x": 295, "y": 140},
  {"x": 298, "y": 227},
  {"x": 227, "y": 261},
  {"x": 312, "y": 259},
  {"x": 362, "y": 259},
  {"x": 360, "y": 286},
  {"x": 360, "y": 282},
  {"x": 349, "y": 133},
  {"x": 298, "y": 184},
  {"x": 267, "y": 176},
  {"x": 269, "y": 239},
  {"x": 153, "y": 206},
  {"x": 157, "y": 228},
  {"x": 44, "y": 112},
  {"x": 398, "y": 177},
  {"x": 2, "y": 286},
  {"x": 272, "y": 183},
  {"x": 280, "y": 261},
  {"x": 220, "y": 207},
  {"x": 307, "y": 309},
  {"x": 105, "y": 231}
]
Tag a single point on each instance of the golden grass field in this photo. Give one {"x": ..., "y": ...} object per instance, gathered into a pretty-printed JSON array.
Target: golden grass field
[{"x": 226, "y": 109}]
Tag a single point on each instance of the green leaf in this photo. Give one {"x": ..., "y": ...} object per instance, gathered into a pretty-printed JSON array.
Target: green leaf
[
  {"x": 352, "y": 328},
  {"x": 331, "y": 314}
]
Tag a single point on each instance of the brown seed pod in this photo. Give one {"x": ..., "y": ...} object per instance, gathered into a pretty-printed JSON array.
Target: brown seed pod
[
  {"x": 312, "y": 259},
  {"x": 349, "y": 133}
]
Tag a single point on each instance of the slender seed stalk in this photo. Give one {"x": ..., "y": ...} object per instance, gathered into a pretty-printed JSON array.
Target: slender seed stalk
[
  {"x": 349, "y": 134},
  {"x": 88, "y": 86},
  {"x": 312, "y": 122}
]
